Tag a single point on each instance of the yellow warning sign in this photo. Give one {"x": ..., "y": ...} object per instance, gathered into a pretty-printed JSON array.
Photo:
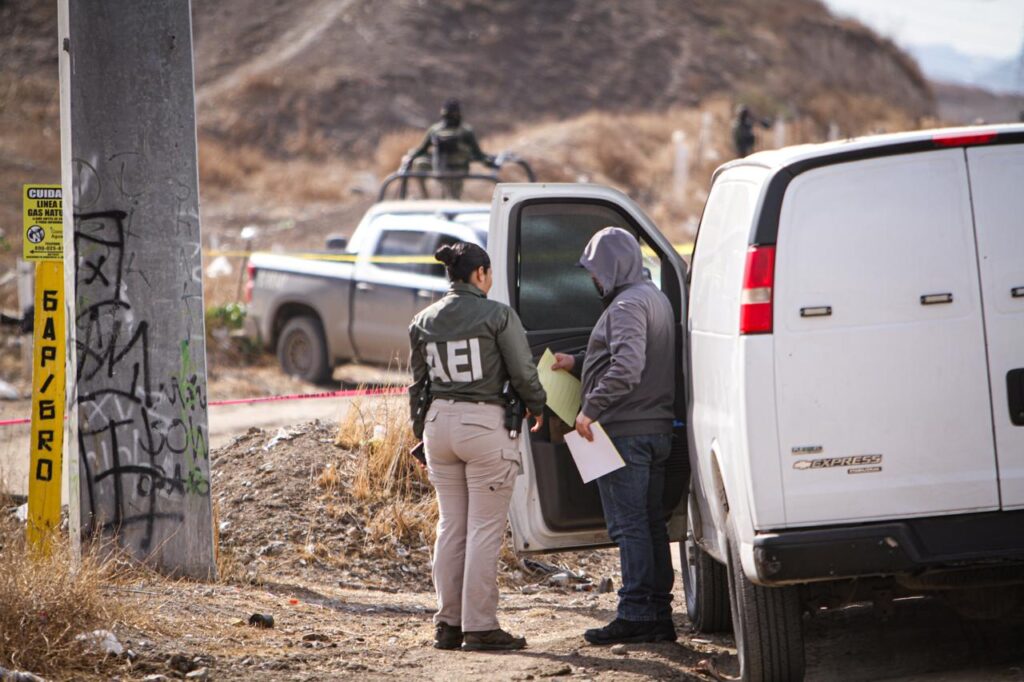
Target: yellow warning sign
[
  {"x": 44, "y": 476},
  {"x": 44, "y": 222}
]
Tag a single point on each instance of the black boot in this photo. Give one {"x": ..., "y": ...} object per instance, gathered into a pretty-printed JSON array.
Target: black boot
[
  {"x": 621, "y": 631},
  {"x": 493, "y": 640},
  {"x": 447, "y": 636},
  {"x": 666, "y": 630}
]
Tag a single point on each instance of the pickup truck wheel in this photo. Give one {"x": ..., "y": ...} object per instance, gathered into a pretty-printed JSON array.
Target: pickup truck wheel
[
  {"x": 767, "y": 626},
  {"x": 705, "y": 581},
  {"x": 302, "y": 350}
]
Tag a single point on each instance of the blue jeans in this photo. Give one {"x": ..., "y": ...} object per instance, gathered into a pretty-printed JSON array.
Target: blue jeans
[{"x": 632, "y": 500}]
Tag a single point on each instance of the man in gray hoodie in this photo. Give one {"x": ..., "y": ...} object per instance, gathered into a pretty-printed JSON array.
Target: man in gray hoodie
[{"x": 628, "y": 386}]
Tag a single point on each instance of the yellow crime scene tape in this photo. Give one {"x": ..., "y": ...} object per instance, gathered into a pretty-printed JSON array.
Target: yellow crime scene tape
[{"x": 685, "y": 249}]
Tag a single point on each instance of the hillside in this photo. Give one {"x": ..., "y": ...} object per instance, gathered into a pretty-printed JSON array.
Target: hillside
[
  {"x": 303, "y": 105},
  {"x": 324, "y": 77},
  {"x": 966, "y": 105}
]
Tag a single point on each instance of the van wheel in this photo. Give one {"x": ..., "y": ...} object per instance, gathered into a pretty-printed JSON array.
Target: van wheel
[
  {"x": 705, "y": 581},
  {"x": 767, "y": 626},
  {"x": 302, "y": 350}
]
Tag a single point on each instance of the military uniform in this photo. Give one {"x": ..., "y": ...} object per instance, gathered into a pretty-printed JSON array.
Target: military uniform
[
  {"x": 469, "y": 347},
  {"x": 452, "y": 149}
]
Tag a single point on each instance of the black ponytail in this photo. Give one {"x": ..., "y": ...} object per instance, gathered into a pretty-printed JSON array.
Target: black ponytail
[{"x": 461, "y": 260}]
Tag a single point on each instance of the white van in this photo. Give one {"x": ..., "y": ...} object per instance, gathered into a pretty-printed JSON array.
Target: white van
[{"x": 851, "y": 372}]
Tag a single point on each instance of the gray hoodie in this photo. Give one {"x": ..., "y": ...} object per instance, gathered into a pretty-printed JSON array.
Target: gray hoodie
[{"x": 628, "y": 369}]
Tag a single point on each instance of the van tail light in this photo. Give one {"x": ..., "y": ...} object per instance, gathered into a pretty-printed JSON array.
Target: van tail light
[
  {"x": 756, "y": 297},
  {"x": 250, "y": 281}
]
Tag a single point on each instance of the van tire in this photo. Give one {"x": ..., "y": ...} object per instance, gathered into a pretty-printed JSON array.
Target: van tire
[
  {"x": 767, "y": 626},
  {"x": 302, "y": 350},
  {"x": 705, "y": 581}
]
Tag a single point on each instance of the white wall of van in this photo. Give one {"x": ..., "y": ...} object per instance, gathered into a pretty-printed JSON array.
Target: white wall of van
[{"x": 881, "y": 390}]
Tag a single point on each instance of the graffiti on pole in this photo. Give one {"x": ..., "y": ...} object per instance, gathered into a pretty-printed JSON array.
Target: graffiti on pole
[{"x": 144, "y": 446}]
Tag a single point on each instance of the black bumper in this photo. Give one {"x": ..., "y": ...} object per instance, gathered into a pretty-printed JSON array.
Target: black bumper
[{"x": 890, "y": 547}]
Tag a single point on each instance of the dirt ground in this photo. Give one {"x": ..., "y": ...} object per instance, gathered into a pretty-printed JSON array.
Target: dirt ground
[
  {"x": 306, "y": 538},
  {"x": 310, "y": 535},
  {"x": 344, "y": 569}
]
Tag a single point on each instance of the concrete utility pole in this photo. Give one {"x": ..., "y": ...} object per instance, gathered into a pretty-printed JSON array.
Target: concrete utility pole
[{"x": 137, "y": 385}]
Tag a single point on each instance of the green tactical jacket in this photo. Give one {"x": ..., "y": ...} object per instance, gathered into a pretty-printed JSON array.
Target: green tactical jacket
[
  {"x": 459, "y": 146},
  {"x": 469, "y": 346}
]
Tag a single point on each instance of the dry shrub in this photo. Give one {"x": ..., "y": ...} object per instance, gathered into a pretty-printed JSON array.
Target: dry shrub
[
  {"x": 44, "y": 604},
  {"x": 406, "y": 522},
  {"x": 220, "y": 291},
  {"x": 227, "y": 167},
  {"x": 329, "y": 480},
  {"x": 224, "y": 168},
  {"x": 857, "y": 114},
  {"x": 379, "y": 431},
  {"x": 305, "y": 180},
  {"x": 633, "y": 152},
  {"x": 386, "y": 479}
]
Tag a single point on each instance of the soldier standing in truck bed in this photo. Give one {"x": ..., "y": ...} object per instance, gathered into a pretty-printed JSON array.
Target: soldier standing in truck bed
[{"x": 452, "y": 146}]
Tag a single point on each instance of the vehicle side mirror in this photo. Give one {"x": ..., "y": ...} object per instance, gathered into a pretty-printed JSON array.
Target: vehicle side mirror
[{"x": 336, "y": 242}]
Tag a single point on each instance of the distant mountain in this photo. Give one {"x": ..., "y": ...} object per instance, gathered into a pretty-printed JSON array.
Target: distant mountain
[
  {"x": 946, "y": 64},
  {"x": 1006, "y": 76}
]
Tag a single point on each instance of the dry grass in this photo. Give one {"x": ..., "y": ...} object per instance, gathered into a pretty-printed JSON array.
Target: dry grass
[
  {"x": 44, "y": 604},
  {"x": 632, "y": 151},
  {"x": 392, "y": 147},
  {"x": 224, "y": 169},
  {"x": 386, "y": 477},
  {"x": 389, "y": 482},
  {"x": 379, "y": 430}
]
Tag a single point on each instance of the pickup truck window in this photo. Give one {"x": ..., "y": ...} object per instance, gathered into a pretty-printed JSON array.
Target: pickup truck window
[
  {"x": 554, "y": 293},
  {"x": 402, "y": 243},
  {"x": 437, "y": 269}
]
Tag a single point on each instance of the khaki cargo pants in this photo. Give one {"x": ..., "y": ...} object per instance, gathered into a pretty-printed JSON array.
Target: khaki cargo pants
[{"x": 473, "y": 465}]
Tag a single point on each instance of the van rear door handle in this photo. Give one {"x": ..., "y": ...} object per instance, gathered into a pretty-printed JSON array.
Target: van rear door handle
[
  {"x": 364, "y": 286},
  {"x": 1017, "y": 292},
  {"x": 816, "y": 311},
  {"x": 935, "y": 299}
]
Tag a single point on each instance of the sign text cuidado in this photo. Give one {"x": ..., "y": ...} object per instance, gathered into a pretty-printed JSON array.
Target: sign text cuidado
[{"x": 43, "y": 237}]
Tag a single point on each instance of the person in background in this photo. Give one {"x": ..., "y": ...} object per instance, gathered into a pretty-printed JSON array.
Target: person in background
[
  {"x": 743, "y": 137},
  {"x": 451, "y": 146},
  {"x": 628, "y": 387},
  {"x": 464, "y": 350}
]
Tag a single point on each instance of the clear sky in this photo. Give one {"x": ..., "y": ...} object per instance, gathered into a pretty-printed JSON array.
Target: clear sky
[{"x": 990, "y": 28}]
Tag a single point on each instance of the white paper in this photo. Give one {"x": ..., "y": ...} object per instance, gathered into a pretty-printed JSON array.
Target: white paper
[{"x": 594, "y": 458}]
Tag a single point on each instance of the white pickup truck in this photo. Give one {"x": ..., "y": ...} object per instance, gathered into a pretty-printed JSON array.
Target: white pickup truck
[{"x": 355, "y": 302}]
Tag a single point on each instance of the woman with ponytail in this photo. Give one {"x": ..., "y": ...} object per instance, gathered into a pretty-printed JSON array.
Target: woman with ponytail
[{"x": 465, "y": 348}]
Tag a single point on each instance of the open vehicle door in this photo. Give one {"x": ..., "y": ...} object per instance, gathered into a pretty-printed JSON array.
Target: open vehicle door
[{"x": 537, "y": 234}]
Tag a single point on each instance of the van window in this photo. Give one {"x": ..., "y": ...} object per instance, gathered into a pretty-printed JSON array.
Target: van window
[
  {"x": 554, "y": 292},
  {"x": 720, "y": 256}
]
